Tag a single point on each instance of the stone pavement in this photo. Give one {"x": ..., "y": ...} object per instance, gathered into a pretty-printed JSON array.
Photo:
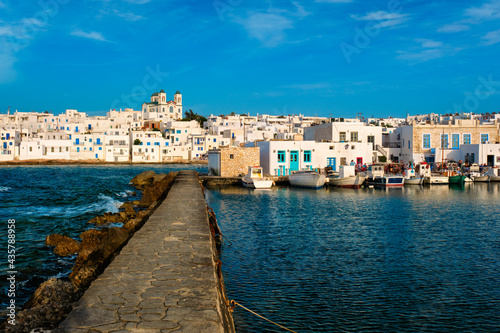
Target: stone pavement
[{"x": 164, "y": 279}]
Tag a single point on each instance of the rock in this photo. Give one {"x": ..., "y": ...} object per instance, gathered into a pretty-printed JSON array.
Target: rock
[
  {"x": 107, "y": 218},
  {"x": 64, "y": 246},
  {"x": 128, "y": 208},
  {"x": 90, "y": 240},
  {"x": 84, "y": 272},
  {"x": 157, "y": 191},
  {"x": 51, "y": 291},
  {"x": 47, "y": 307},
  {"x": 144, "y": 178}
]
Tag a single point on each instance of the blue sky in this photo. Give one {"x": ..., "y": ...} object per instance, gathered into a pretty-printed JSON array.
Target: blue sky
[{"x": 316, "y": 57}]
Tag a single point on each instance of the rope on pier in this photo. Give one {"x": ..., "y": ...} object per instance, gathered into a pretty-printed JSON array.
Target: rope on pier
[{"x": 234, "y": 303}]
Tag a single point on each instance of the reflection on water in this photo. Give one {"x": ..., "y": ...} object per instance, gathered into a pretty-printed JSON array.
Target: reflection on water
[{"x": 411, "y": 259}]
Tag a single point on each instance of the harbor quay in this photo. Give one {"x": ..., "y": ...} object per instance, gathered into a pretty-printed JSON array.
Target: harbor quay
[{"x": 165, "y": 279}]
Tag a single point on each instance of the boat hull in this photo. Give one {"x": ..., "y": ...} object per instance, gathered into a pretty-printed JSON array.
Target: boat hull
[
  {"x": 459, "y": 179},
  {"x": 436, "y": 180},
  {"x": 347, "y": 182},
  {"x": 414, "y": 181},
  {"x": 307, "y": 180},
  {"x": 495, "y": 179},
  {"x": 481, "y": 179},
  {"x": 256, "y": 183},
  {"x": 391, "y": 181}
]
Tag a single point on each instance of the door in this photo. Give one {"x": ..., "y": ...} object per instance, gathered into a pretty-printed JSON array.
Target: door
[
  {"x": 491, "y": 160},
  {"x": 294, "y": 160},
  {"x": 359, "y": 160},
  {"x": 371, "y": 139},
  {"x": 332, "y": 162}
]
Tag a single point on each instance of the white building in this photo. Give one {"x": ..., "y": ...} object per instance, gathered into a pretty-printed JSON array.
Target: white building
[
  {"x": 160, "y": 108},
  {"x": 282, "y": 157}
]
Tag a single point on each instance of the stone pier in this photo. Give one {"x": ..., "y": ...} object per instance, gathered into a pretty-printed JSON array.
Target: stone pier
[{"x": 165, "y": 279}]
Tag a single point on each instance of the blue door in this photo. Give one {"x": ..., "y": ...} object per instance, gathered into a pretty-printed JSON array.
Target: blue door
[
  {"x": 294, "y": 160},
  {"x": 332, "y": 162},
  {"x": 77, "y": 141}
]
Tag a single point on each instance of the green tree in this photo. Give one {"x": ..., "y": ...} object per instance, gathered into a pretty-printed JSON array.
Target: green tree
[{"x": 137, "y": 142}]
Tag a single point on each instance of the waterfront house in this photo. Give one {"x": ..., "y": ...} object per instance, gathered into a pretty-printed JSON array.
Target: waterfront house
[
  {"x": 232, "y": 161},
  {"x": 280, "y": 158}
]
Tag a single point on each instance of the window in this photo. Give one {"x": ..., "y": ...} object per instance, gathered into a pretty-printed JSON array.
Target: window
[
  {"x": 354, "y": 136},
  {"x": 178, "y": 131},
  {"x": 171, "y": 109},
  {"x": 455, "y": 141},
  {"x": 149, "y": 143},
  {"x": 231, "y": 156},
  {"x": 444, "y": 140},
  {"x": 31, "y": 148},
  {"x": 472, "y": 158},
  {"x": 466, "y": 139},
  {"x": 342, "y": 136},
  {"x": 484, "y": 138},
  {"x": 307, "y": 156},
  {"x": 409, "y": 144},
  {"x": 90, "y": 140},
  {"x": 281, "y": 156},
  {"x": 426, "y": 138},
  {"x": 78, "y": 149}
]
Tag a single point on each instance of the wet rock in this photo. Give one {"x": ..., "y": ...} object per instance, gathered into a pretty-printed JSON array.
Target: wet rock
[
  {"x": 90, "y": 240},
  {"x": 157, "y": 191},
  {"x": 83, "y": 273},
  {"x": 143, "y": 179},
  {"x": 47, "y": 307},
  {"x": 64, "y": 246},
  {"x": 107, "y": 218}
]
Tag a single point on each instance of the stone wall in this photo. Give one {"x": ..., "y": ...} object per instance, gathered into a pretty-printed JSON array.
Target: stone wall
[{"x": 235, "y": 161}]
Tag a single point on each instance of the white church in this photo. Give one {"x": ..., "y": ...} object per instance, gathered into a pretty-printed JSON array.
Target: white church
[{"x": 160, "y": 109}]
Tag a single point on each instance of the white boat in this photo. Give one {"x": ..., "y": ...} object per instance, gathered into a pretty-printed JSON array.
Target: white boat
[
  {"x": 255, "y": 179},
  {"x": 308, "y": 178},
  {"x": 436, "y": 179},
  {"x": 494, "y": 174},
  {"x": 481, "y": 179},
  {"x": 347, "y": 178},
  {"x": 414, "y": 181},
  {"x": 377, "y": 177},
  {"x": 411, "y": 178}
]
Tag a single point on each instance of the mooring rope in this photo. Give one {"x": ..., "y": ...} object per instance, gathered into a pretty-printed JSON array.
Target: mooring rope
[{"x": 233, "y": 303}]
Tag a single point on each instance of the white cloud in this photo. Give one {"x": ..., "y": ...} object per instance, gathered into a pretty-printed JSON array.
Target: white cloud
[
  {"x": 490, "y": 10},
  {"x": 428, "y": 43},
  {"x": 7, "y": 61},
  {"x": 428, "y": 50},
  {"x": 309, "y": 86},
  {"x": 384, "y": 18},
  {"x": 455, "y": 27},
  {"x": 334, "y": 1},
  {"x": 266, "y": 27},
  {"x": 138, "y": 2},
  {"x": 90, "y": 35},
  {"x": 492, "y": 37}
]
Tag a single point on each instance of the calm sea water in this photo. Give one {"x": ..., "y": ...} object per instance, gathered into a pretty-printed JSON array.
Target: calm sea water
[
  {"x": 417, "y": 259},
  {"x": 57, "y": 199}
]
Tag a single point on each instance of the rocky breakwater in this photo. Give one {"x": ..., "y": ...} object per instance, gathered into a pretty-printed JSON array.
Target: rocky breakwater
[{"x": 54, "y": 299}]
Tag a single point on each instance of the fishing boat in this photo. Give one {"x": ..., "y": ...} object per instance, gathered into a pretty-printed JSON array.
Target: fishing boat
[
  {"x": 494, "y": 174},
  {"x": 410, "y": 176},
  {"x": 255, "y": 179},
  {"x": 377, "y": 177},
  {"x": 307, "y": 178},
  {"x": 481, "y": 179},
  {"x": 346, "y": 178},
  {"x": 457, "y": 179},
  {"x": 436, "y": 179}
]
